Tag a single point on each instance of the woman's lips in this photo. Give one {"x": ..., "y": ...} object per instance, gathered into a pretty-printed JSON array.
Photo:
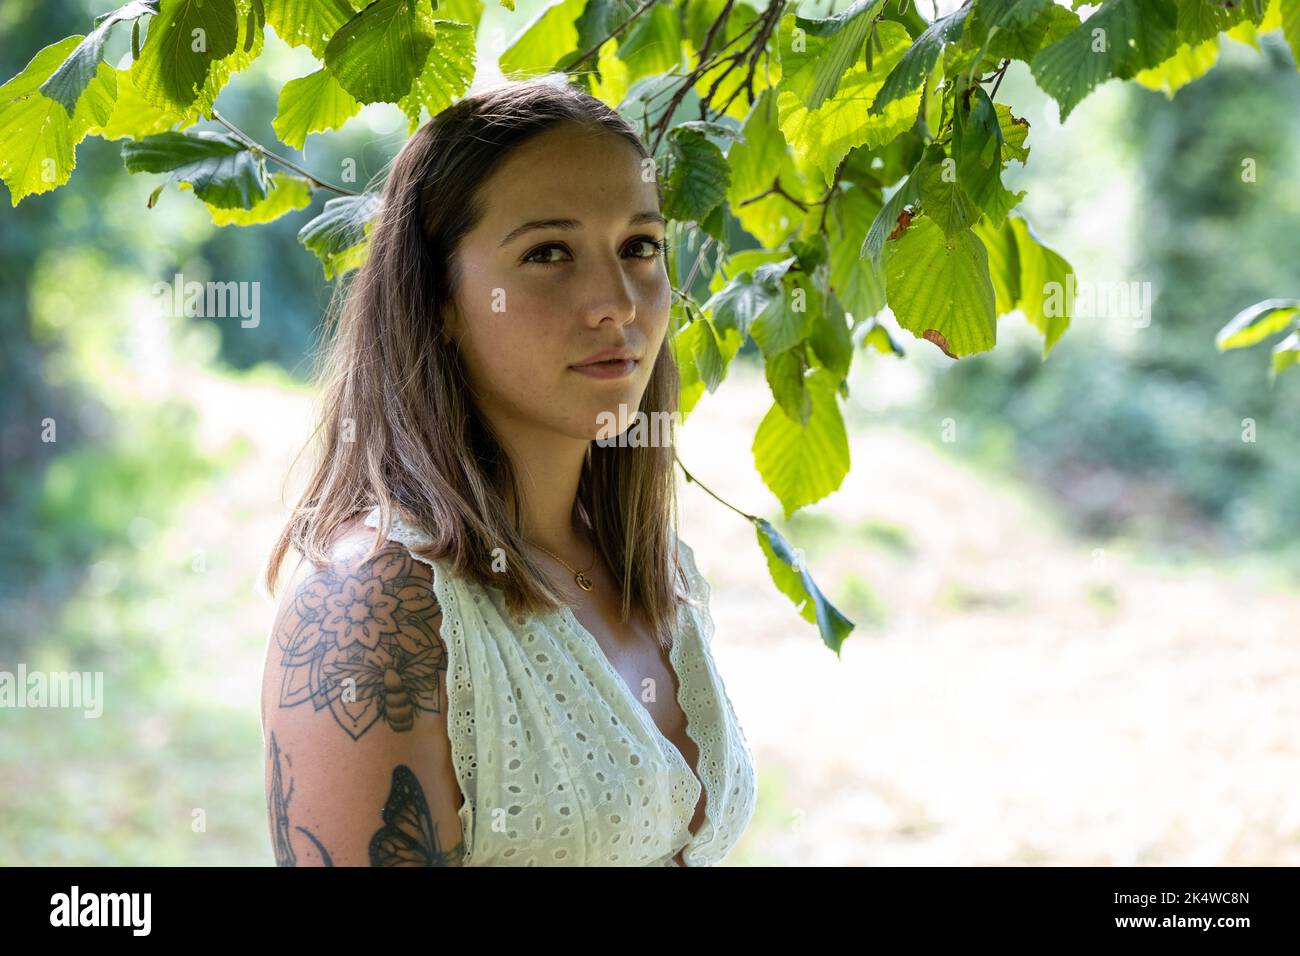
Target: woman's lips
[{"x": 618, "y": 368}]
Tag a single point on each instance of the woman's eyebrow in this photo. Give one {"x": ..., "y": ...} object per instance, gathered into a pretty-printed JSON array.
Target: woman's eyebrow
[{"x": 635, "y": 220}]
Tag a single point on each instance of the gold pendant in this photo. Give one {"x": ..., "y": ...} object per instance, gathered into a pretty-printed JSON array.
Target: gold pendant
[{"x": 584, "y": 582}]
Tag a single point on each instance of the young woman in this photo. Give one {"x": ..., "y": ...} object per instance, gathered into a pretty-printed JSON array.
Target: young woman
[{"x": 495, "y": 650}]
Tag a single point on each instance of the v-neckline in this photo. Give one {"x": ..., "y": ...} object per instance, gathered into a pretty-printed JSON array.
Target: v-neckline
[{"x": 674, "y": 664}]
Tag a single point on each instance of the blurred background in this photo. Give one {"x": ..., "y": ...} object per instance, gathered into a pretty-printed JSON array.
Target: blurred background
[{"x": 1074, "y": 580}]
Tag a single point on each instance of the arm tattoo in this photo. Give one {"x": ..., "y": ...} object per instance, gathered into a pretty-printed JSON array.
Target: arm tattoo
[
  {"x": 278, "y": 809},
  {"x": 409, "y": 837},
  {"x": 364, "y": 643}
]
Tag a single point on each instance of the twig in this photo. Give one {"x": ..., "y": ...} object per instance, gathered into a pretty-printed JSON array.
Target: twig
[{"x": 253, "y": 144}]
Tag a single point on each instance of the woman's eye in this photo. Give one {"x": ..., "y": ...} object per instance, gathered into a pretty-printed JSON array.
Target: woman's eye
[
  {"x": 542, "y": 249},
  {"x": 648, "y": 246},
  {"x": 657, "y": 247}
]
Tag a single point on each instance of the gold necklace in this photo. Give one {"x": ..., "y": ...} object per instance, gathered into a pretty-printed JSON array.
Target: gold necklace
[{"x": 579, "y": 577}]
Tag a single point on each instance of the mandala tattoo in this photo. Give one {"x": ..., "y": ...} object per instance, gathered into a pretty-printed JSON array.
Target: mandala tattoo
[
  {"x": 409, "y": 837},
  {"x": 278, "y": 809},
  {"x": 364, "y": 643}
]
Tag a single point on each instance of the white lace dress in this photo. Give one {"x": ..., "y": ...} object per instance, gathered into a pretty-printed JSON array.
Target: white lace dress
[{"x": 559, "y": 763}]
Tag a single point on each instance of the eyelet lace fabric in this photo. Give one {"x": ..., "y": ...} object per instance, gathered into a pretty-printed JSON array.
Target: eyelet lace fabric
[{"x": 559, "y": 764}]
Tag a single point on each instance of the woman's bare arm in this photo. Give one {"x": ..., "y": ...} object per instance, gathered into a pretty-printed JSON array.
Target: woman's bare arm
[{"x": 358, "y": 761}]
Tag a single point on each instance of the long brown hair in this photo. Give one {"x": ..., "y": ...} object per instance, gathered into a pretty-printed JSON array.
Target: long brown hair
[{"x": 398, "y": 425}]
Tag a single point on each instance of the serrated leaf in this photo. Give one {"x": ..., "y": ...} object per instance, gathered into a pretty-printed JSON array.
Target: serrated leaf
[
  {"x": 814, "y": 59},
  {"x": 940, "y": 290},
  {"x": 1046, "y": 285},
  {"x": 698, "y": 180},
  {"x": 785, "y": 321},
  {"x": 791, "y": 576},
  {"x": 543, "y": 40},
  {"x": 184, "y": 41},
  {"x": 746, "y": 296},
  {"x": 338, "y": 236},
  {"x": 803, "y": 464},
  {"x": 221, "y": 169},
  {"x": 822, "y": 137},
  {"x": 285, "y": 194},
  {"x": 831, "y": 339},
  {"x": 1120, "y": 39},
  {"x": 309, "y": 23},
  {"x": 911, "y": 70},
  {"x": 785, "y": 377},
  {"x": 891, "y": 216},
  {"x": 39, "y": 137},
  {"x": 312, "y": 104},
  {"x": 69, "y": 81},
  {"x": 858, "y": 282},
  {"x": 377, "y": 55},
  {"x": 133, "y": 116},
  {"x": 942, "y": 197},
  {"x": 1189, "y": 63},
  {"x": 447, "y": 72}
]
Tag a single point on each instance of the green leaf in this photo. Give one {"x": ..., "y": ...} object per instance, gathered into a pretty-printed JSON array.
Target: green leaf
[
  {"x": 543, "y": 40},
  {"x": 815, "y": 52},
  {"x": 1120, "y": 39},
  {"x": 977, "y": 147},
  {"x": 447, "y": 72},
  {"x": 911, "y": 70},
  {"x": 248, "y": 47},
  {"x": 1286, "y": 354},
  {"x": 785, "y": 377},
  {"x": 803, "y": 464},
  {"x": 831, "y": 338},
  {"x": 69, "y": 81},
  {"x": 1021, "y": 42},
  {"x": 1290, "y": 10},
  {"x": 1014, "y": 133},
  {"x": 698, "y": 180},
  {"x": 785, "y": 321},
  {"x": 1189, "y": 63},
  {"x": 309, "y": 23},
  {"x": 220, "y": 168},
  {"x": 184, "y": 41},
  {"x": 1199, "y": 20},
  {"x": 377, "y": 55},
  {"x": 1009, "y": 14},
  {"x": 1257, "y": 322},
  {"x": 822, "y": 137},
  {"x": 1046, "y": 285},
  {"x": 653, "y": 44},
  {"x": 748, "y": 295},
  {"x": 286, "y": 194},
  {"x": 791, "y": 576},
  {"x": 133, "y": 116},
  {"x": 878, "y": 337},
  {"x": 942, "y": 197},
  {"x": 891, "y": 218},
  {"x": 1004, "y": 263},
  {"x": 858, "y": 282},
  {"x": 755, "y": 163},
  {"x": 940, "y": 290},
  {"x": 39, "y": 137},
  {"x": 311, "y": 104},
  {"x": 338, "y": 235}
]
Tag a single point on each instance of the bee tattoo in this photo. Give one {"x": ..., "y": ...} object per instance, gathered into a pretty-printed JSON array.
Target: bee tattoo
[{"x": 364, "y": 643}]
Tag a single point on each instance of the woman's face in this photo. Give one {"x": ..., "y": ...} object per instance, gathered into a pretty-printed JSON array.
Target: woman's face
[{"x": 564, "y": 264}]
